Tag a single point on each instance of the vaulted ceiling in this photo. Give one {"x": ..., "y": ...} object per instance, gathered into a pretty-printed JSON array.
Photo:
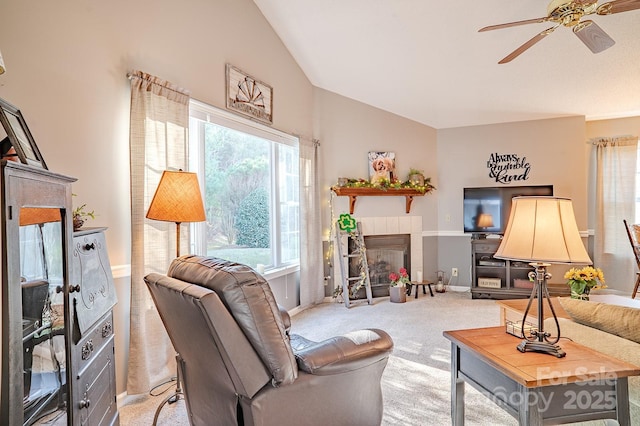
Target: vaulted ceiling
[{"x": 425, "y": 60}]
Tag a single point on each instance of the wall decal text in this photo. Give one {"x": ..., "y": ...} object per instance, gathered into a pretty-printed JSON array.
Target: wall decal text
[{"x": 507, "y": 168}]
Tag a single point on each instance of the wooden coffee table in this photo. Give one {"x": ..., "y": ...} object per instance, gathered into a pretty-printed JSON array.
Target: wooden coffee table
[{"x": 536, "y": 388}]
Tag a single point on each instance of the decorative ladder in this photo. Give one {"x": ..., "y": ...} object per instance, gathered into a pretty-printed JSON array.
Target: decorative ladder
[{"x": 359, "y": 252}]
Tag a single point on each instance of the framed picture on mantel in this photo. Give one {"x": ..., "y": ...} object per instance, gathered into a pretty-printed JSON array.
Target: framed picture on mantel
[{"x": 382, "y": 165}]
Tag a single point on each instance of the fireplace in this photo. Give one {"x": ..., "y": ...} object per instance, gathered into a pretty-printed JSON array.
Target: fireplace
[
  {"x": 385, "y": 254},
  {"x": 404, "y": 240}
]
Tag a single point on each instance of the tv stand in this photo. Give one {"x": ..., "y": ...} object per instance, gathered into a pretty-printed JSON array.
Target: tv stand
[
  {"x": 495, "y": 278},
  {"x": 483, "y": 236}
]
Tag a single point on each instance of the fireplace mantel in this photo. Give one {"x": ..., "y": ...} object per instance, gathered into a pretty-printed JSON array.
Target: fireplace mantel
[{"x": 354, "y": 193}]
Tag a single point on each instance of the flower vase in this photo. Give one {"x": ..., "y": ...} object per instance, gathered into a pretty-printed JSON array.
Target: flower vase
[
  {"x": 397, "y": 294},
  {"x": 77, "y": 222},
  {"x": 582, "y": 296}
]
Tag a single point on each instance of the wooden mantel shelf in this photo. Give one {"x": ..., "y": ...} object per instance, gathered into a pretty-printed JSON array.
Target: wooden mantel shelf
[{"x": 354, "y": 193}]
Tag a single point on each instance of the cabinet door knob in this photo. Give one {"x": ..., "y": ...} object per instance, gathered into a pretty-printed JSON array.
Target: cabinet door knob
[
  {"x": 91, "y": 246},
  {"x": 85, "y": 403},
  {"x": 75, "y": 288}
]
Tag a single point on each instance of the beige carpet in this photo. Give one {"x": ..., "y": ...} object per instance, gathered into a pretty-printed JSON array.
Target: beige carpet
[{"x": 416, "y": 383}]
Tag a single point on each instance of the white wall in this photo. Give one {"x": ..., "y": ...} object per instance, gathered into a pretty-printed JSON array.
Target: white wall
[
  {"x": 556, "y": 151},
  {"x": 66, "y": 70},
  {"x": 348, "y": 130}
]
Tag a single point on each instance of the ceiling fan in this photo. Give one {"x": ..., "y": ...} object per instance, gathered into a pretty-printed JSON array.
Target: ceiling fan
[{"x": 569, "y": 13}]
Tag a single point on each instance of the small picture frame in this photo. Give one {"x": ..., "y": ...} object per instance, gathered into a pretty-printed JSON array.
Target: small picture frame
[
  {"x": 382, "y": 166},
  {"x": 18, "y": 136},
  {"x": 249, "y": 96}
]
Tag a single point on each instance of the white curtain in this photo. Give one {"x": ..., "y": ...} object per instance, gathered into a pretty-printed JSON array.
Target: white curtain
[
  {"x": 311, "y": 266},
  {"x": 616, "y": 160},
  {"x": 158, "y": 141}
]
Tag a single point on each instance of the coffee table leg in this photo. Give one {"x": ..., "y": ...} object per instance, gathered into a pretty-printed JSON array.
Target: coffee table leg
[
  {"x": 457, "y": 389},
  {"x": 529, "y": 413},
  {"x": 622, "y": 401}
]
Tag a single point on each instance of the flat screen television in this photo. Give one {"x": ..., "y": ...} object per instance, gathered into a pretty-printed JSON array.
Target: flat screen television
[{"x": 486, "y": 210}]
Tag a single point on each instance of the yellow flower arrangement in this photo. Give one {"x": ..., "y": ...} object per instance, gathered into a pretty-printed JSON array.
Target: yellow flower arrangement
[{"x": 583, "y": 280}]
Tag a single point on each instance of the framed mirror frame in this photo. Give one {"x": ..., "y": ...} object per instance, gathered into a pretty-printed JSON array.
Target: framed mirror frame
[{"x": 18, "y": 136}]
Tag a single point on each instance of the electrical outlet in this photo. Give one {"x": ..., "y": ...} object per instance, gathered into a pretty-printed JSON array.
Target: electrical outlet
[{"x": 454, "y": 272}]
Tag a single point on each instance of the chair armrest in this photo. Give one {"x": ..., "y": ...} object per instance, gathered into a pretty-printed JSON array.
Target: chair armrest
[
  {"x": 344, "y": 353},
  {"x": 286, "y": 318}
]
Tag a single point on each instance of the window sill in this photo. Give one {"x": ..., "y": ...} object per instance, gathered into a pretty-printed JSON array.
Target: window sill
[{"x": 280, "y": 272}]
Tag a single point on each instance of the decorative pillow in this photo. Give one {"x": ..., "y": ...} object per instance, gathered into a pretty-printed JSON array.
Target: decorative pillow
[{"x": 622, "y": 321}]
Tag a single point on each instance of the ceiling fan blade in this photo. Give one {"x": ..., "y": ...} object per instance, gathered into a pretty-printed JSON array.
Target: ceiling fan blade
[
  {"x": 527, "y": 45},
  {"x": 617, "y": 6},
  {"x": 513, "y": 24},
  {"x": 593, "y": 36}
]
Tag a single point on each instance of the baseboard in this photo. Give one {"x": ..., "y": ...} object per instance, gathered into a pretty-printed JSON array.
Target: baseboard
[{"x": 459, "y": 288}]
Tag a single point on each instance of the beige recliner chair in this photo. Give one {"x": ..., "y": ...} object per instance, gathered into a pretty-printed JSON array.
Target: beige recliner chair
[{"x": 240, "y": 366}]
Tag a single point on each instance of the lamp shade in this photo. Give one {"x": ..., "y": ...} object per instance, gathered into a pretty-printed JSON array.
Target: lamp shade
[
  {"x": 177, "y": 198},
  {"x": 542, "y": 229}
]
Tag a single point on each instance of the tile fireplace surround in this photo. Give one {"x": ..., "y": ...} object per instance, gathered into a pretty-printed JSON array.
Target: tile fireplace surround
[{"x": 392, "y": 225}]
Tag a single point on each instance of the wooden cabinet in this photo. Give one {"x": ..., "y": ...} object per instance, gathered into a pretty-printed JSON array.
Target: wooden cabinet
[
  {"x": 36, "y": 236},
  {"x": 57, "y": 326},
  {"x": 92, "y": 354},
  {"x": 497, "y": 278}
]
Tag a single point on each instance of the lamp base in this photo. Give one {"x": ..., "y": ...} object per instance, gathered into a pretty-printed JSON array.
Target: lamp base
[
  {"x": 174, "y": 397},
  {"x": 542, "y": 347}
]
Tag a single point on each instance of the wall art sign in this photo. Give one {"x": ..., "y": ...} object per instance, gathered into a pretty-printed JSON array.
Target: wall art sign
[
  {"x": 248, "y": 95},
  {"x": 507, "y": 168}
]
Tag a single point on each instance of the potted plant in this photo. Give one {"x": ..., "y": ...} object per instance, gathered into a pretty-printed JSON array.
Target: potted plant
[
  {"x": 398, "y": 286},
  {"x": 416, "y": 177},
  {"x": 80, "y": 215}
]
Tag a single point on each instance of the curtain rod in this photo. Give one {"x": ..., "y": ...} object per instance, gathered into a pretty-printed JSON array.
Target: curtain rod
[
  {"x": 612, "y": 139},
  {"x": 159, "y": 81}
]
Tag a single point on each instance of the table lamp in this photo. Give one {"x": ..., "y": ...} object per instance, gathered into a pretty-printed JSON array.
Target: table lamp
[
  {"x": 542, "y": 231},
  {"x": 177, "y": 199}
]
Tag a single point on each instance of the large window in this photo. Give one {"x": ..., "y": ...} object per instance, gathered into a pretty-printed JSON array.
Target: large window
[{"x": 251, "y": 189}]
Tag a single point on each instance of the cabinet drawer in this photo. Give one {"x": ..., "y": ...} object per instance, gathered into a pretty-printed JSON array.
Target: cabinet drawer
[
  {"x": 97, "y": 388},
  {"x": 93, "y": 341},
  {"x": 486, "y": 248}
]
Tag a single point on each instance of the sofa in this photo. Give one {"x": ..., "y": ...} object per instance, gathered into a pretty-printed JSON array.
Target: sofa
[{"x": 611, "y": 329}]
